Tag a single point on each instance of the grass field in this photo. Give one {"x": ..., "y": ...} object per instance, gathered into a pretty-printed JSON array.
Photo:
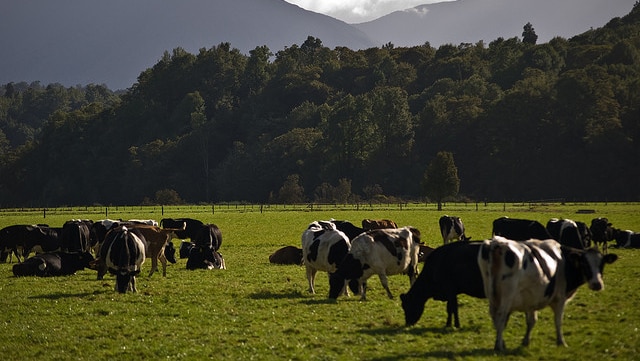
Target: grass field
[{"x": 258, "y": 311}]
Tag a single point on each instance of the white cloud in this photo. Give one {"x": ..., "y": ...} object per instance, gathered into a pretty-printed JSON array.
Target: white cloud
[{"x": 358, "y": 11}]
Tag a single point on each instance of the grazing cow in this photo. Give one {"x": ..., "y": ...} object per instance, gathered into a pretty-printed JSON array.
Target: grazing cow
[
  {"x": 75, "y": 236},
  {"x": 626, "y": 238},
  {"x": 382, "y": 252},
  {"x": 348, "y": 228},
  {"x": 287, "y": 255},
  {"x": 204, "y": 254},
  {"x": 190, "y": 226},
  {"x": 323, "y": 248},
  {"x": 156, "y": 239},
  {"x": 21, "y": 239},
  {"x": 519, "y": 229},
  {"x": 449, "y": 270},
  {"x": 566, "y": 232},
  {"x": 601, "y": 232},
  {"x": 369, "y": 224},
  {"x": 527, "y": 276},
  {"x": 123, "y": 253},
  {"x": 452, "y": 228},
  {"x": 585, "y": 233},
  {"x": 53, "y": 264}
]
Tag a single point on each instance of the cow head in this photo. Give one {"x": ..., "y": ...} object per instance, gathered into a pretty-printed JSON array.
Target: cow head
[
  {"x": 349, "y": 269},
  {"x": 413, "y": 309},
  {"x": 591, "y": 264},
  {"x": 170, "y": 252}
]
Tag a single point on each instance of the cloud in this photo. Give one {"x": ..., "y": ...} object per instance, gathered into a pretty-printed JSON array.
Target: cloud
[{"x": 358, "y": 11}]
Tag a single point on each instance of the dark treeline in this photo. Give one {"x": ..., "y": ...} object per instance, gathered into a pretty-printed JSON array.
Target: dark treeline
[{"x": 524, "y": 121}]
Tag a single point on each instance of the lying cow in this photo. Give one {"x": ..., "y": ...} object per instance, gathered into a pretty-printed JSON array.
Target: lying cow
[
  {"x": 452, "y": 228},
  {"x": 53, "y": 264},
  {"x": 323, "y": 248},
  {"x": 123, "y": 253},
  {"x": 626, "y": 238},
  {"x": 204, "y": 253},
  {"x": 287, "y": 255},
  {"x": 448, "y": 271},
  {"x": 527, "y": 276},
  {"x": 519, "y": 229},
  {"x": 369, "y": 224},
  {"x": 382, "y": 252}
]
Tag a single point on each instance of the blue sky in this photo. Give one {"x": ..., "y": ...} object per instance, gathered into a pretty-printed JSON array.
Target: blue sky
[{"x": 358, "y": 11}]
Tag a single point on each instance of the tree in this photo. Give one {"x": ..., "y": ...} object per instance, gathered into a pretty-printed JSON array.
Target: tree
[
  {"x": 291, "y": 191},
  {"x": 441, "y": 178},
  {"x": 529, "y": 34}
]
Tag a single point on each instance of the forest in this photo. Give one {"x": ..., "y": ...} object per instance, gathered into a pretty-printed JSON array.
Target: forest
[{"x": 523, "y": 121}]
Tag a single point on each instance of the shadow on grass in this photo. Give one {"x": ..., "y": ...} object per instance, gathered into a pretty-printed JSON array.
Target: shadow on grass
[
  {"x": 419, "y": 331},
  {"x": 453, "y": 355},
  {"x": 61, "y": 295}
]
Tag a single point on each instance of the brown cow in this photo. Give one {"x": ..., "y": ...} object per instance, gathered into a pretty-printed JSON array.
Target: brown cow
[
  {"x": 287, "y": 255},
  {"x": 369, "y": 224},
  {"x": 156, "y": 238}
]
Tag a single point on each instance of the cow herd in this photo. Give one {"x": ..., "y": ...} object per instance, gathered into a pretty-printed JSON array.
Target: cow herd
[
  {"x": 114, "y": 246},
  {"x": 525, "y": 266}
]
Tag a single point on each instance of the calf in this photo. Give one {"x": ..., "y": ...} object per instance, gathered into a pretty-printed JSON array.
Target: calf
[
  {"x": 323, "y": 248},
  {"x": 527, "y": 276},
  {"x": 287, "y": 255},
  {"x": 519, "y": 229},
  {"x": 156, "y": 240},
  {"x": 601, "y": 232},
  {"x": 566, "y": 232},
  {"x": 382, "y": 252},
  {"x": 449, "y": 270},
  {"x": 626, "y": 239},
  {"x": 123, "y": 253},
  {"x": 369, "y": 224},
  {"x": 452, "y": 228},
  {"x": 53, "y": 264}
]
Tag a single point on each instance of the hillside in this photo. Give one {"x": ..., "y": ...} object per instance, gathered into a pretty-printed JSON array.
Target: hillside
[{"x": 111, "y": 42}]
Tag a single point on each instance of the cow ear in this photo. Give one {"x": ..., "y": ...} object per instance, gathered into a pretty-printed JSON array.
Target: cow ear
[{"x": 609, "y": 258}]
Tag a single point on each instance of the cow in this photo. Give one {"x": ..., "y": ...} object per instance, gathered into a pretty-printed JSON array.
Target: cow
[
  {"x": 98, "y": 232},
  {"x": 170, "y": 252},
  {"x": 348, "y": 228},
  {"x": 452, "y": 228},
  {"x": 149, "y": 222},
  {"x": 204, "y": 254},
  {"x": 601, "y": 232},
  {"x": 185, "y": 249},
  {"x": 156, "y": 239},
  {"x": 424, "y": 252},
  {"x": 382, "y": 252},
  {"x": 287, "y": 255},
  {"x": 626, "y": 238},
  {"x": 530, "y": 275},
  {"x": 566, "y": 232},
  {"x": 449, "y": 270},
  {"x": 191, "y": 226},
  {"x": 369, "y": 224},
  {"x": 519, "y": 229},
  {"x": 123, "y": 253},
  {"x": 51, "y": 264},
  {"x": 323, "y": 248},
  {"x": 585, "y": 233},
  {"x": 75, "y": 236},
  {"x": 21, "y": 239}
]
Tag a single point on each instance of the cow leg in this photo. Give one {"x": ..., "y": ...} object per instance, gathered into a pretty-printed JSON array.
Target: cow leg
[
  {"x": 133, "y": 284},
  {"x": 163, "y": 260},
  {"x": 452, "y": 310},
  {"x": 154, "y": 265},
  {"x": 385, "y": 284},
  {"x": 311, "y": 276},
  {"x": 532, "y": 318},
  {"x": 500, "y": 318},
  {"x": 558, "y": 312}
]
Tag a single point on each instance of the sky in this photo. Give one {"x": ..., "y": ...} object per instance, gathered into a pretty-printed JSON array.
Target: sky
[{"x": 358, "y": 11}]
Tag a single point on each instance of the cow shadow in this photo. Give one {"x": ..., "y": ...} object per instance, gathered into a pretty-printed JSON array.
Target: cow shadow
[
  {"x": 269, "y": 295},
  {"x": 453, "y": 355},
  {"x": 61, "y": 295}
]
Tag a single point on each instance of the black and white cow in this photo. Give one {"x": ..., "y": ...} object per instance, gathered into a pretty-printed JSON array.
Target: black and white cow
[
  {"x": 123, "y": 253},
  {"x": 185, "y": 248},
  {"x": 383, "y": 252},
  {"x": 191, "y": 226},
  {"x": 323, "y": 248},
  {"x": 626, "y": 238},
  {"x": 530, "y": 275},
  {"x": 566, "y": 232},
  {"x": 53, "y": 264},
  {"x": 204, "y": 253},
  {"x": 452, "y": 228},
  {"x": 585, "y": 233},
  {"x": 601, "y": 232},
  {"x": 22, "y": 239},
  {"x": 348, "y": 228},
  {"x": 519, "y": 229},
  {"x": 448, "y": 270},
  {"x": 75, "y": 236}
]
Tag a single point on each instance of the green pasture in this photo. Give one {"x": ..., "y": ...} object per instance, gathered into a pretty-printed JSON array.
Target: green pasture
[{"x": 258, "y": 311}]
